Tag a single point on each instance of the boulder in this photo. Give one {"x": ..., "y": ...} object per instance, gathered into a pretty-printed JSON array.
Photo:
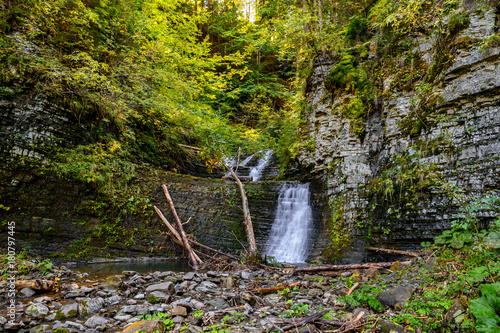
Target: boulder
[
  {"x": 396, "y": 297},
  {"x": 37, "y": 311},
  {"x": 96, "y": 321},
  {"x": 165, "y": 287},
  {"x": 67, "y": 311}
]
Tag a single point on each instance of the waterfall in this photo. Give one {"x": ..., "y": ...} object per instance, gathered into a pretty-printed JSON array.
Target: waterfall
[
  {"x": 256, "y": 172},
  {"x": 293, "y": 225}
]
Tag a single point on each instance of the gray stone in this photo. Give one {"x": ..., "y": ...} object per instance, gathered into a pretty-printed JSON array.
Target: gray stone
[
  {"x": 139, "y": 296},
  {"x": 96, "y": 321},
  {"x": 112, "y": 300},
  {"x": 387, "y": 326},
  {"x": 26, "y": 293},
  {"x": 2, "y": 320},
  {"x": 246, "y": 275},
  {"x": 43, "y": 299},
  {"x": 165, "y": 287},
  {"x": 37, "y": 311},
  {"x": 216, "y": 304},
  {"x": 122, "y": 317},
  {"x": 396, "y": 297},
  {"x": 91, "y": 307},
  {"x": 228, "y": 282},
  {"x": 206, "y": 286},
  {"x": 189, "y": 276},
  {"x": 360, "y": 311},
  {"x": 39, "y": 329},
  {"x": 67, "y": 311},
  {"x": 158, "y": 297}
]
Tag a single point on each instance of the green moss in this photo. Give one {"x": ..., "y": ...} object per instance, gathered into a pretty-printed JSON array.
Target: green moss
[
  {"x": 60, "y": 330},
  {"x": 337, "y": 230}
]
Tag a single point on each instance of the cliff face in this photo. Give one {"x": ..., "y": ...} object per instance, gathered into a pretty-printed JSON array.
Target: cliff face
[{"x": 449, "y": 134}]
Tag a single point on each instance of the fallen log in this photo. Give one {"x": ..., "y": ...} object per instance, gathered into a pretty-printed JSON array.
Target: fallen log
[
  {"x": 378, "y": 249},
  {"x": 242, "y": 178},
  {"x": 213, "y": 250},
  {"x": 38, "y": 285},
  {"x": 271, "y": 290},
  {"x": 349, "y": 266},
  {"x": 329, "y": 322},
  {"x": 185, "y": 241}
]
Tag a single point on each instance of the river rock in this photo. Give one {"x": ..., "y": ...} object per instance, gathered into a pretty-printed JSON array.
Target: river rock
[
  {"x": 217, "y": 304},
  {"x": 96, "y": 321},
  {"x": 364, "y": 313},
  {"x": 12, "y": 326},
  {"x": 26, "y": 293},
  {"x": 39, "y": 329},
  {"x": 146, "y": 326},
  {"x": 67, "y": 311},
  {"x": 43, "y": 299},
  {"x": 90, "y": 307},
  {"x": 2, "y": 320},
  {"x": 166, "y": 287},
  {"x": 228, "y": 282},
  {"x": 387, "y": 326},
  {"x": 189, "y": 276},
  {"x": 111, "y": 283},
  {"x": 158, "y": 297},
  {"x": 179, "y": 311},
  {"x": 37, "y": 311},
  {"x": 113, "y": 300},
  {"x": 206, "y": 286},
  {"x": 396, "y": 297}
]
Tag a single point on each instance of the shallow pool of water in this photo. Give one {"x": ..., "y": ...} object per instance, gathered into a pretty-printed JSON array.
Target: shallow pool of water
[{"x": 113, "y": 268}]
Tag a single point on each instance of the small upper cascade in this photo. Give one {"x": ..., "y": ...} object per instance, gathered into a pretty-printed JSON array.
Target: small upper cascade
[
  {"x": 292, "y": 228},
  {"x": 256, "y": 172}
]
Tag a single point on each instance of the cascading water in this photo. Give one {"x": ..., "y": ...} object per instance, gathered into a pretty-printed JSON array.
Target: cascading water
[
  {"x": 293, "y": 225},
  {"x": 256, "y": 172}
]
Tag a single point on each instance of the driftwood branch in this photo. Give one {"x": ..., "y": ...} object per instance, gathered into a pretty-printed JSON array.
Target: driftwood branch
[
  {"x": 182, "y": 234},
  {"x": 406, "y": 253},
  {"x": 38, "y": 285},
  {"x": 350, "y": 266},
  {"x": 302, "y": 321},
  {"x": 190, "y": 147},
  {"x": 247, "y": 219}
]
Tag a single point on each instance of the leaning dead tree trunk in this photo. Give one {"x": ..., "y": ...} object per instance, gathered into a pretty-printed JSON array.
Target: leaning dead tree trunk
[
  {"x": 178, "y": 223},
  {"x": 247, "y": 219}
]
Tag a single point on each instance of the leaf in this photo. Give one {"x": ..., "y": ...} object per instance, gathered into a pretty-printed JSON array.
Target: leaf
[{"x": 457, "y": 243}]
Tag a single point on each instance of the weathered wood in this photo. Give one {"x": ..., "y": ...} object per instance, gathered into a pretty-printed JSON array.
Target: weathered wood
[
  {"x": 38, "y": 285},
  {"x": 329, "y": 322},
  {"x": 175, "y": 235},
  {"x": 214, "y": 250},
  {"x": 378, "y": 249},
  {"x": 190, "y": 147},
  {"x": 247, "y": 219},
  {"x": 302, "y": 321},
  {"x": 242, "y": 178},
  {"x": 271, "y": 290},
  {"x": 349, "y": 266},
  {"x": 185, "y": 241}
]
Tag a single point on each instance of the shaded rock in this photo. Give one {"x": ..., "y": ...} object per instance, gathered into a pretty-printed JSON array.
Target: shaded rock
[
  {"x": 217, "y": 304},
  {"x": 111, "y": 283},
  {"x": 37, "y": 311},
  {"x": 91, "y": 306},
  {"x": 372, "y": 272},
  {"x": 67, "y": 311},
  {"x": 396, "y": 297},
  {"x": 364, "y": 312},
  {"x": 158, "y": 297},
  {"x": 146, "y": 326},
  {"x": 12, "y": 326},
  {"x": 166, "y": 287},
  {"x": 179, "y": 311},
  {"x": 112, "y": 300},
  {"x": 26, "y": 293},
  {"x": 96, "y": 321},
  {"x": 189, "y": 276},
  {"x": 456, "y": 313}
]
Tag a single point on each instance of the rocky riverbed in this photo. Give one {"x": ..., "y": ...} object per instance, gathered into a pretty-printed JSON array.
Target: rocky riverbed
[{"x": 240, "y": 300}]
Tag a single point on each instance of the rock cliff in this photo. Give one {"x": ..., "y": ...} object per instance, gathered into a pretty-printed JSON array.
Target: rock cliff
[{"x": 385, "y": 187}]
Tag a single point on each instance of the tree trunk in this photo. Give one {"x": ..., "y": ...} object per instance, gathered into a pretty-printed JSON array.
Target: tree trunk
[
  {"x": 247, "y": 219},
  {"x": 350, "y": 266}
]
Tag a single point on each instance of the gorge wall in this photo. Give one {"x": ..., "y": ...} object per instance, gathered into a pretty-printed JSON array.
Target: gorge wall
[{"x": 385, "y": 188}]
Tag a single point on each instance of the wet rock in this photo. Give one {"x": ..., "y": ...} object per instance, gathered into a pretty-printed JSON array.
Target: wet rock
[
  {"x": 146, "y": 326},
  {"x": 216, "y": 304},
  {"x": 26, "y": 293},
  {"x": 396, "y": 297},
  {"x": 90, "y": 307},
  {"x": 67, "y": 311},
  {"x": 80, "y": 292},
  {"x": 166, "y": 287},
  {"x": 179, "y": 311},
  {"x": 96, "y": 321},
  {"x": 37, "y": 311},
  {"x": 158, "y": 297}
]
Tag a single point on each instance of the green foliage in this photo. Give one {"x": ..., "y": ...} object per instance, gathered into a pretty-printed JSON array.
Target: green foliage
[
  {"x": 45, "y": 266},
  {"x": 295, "y": 310},
  {"x": 364, "y": 296},
  {"x": 486, "y": 308}
]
